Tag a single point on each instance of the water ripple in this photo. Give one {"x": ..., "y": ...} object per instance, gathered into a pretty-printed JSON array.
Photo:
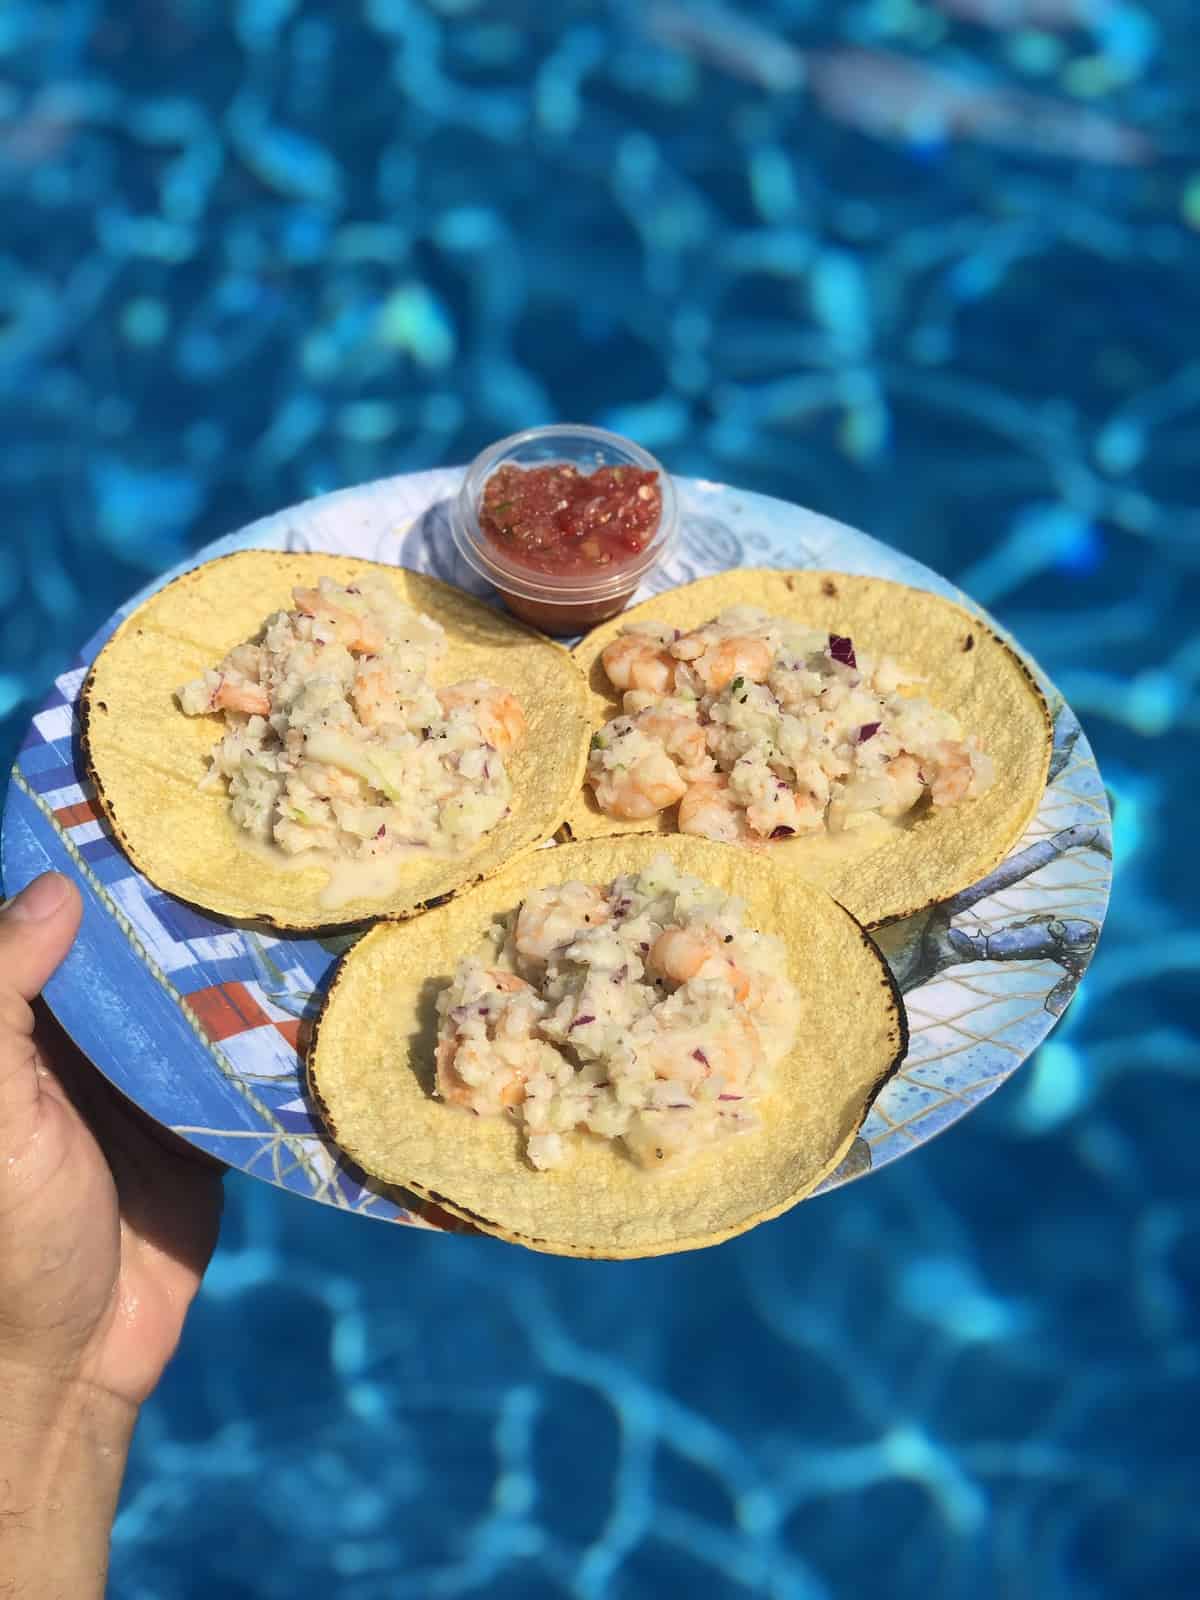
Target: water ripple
[{"x": 928, "y": 267}]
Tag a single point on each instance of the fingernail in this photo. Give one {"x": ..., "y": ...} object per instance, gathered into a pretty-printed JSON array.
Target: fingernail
[{"x": 41, "y": 899}]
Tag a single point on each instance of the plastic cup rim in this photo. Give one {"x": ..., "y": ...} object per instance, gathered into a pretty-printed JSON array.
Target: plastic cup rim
[{"x": 507, "y": 576}]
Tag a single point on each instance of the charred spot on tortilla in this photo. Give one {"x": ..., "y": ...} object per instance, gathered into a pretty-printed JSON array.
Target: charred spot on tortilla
[
  {"x": 893, "y": 862},
  {"x": 209, "y": 633},
  {"x": 370, "y": 1064}
]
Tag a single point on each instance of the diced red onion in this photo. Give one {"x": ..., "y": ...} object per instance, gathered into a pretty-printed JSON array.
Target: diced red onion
[
  {"x": 729, "y": 1097},
  {"x": 868, "y": 731},
  {"x": 698, "y": 1055},
  {"x": 842, "y": 649},
  {"x": 382, "y": 830},
  {"x": 581, "y": 1022},
  {"x": 782, "y": 832}
]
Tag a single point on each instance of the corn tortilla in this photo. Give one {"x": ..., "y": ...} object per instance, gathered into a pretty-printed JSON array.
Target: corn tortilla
[
  {"x": 970, "y": 672},
  {"x": 147, "y": 758},
  {"x": 371, "y": 1068}
]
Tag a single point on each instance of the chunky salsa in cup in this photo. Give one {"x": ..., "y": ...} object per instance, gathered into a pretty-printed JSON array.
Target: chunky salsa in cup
[{"x": 556, "y": 519}]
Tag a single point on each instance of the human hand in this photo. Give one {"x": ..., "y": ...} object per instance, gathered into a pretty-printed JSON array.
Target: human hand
[{"x": 106, "y": 1225}]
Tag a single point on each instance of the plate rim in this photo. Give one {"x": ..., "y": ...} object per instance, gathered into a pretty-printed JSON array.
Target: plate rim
[{"x": 700, "y": 499}]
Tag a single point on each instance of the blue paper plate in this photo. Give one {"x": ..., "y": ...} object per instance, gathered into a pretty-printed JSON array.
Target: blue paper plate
[{"x": 203, "y": 1025}]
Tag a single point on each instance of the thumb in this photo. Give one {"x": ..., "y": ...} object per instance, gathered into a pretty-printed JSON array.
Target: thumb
[{"x": 37, "y": 929}]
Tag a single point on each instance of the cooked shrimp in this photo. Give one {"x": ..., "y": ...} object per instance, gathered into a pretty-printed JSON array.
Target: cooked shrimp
[
  {"x": 734, "y": 1052},
  {"x": 374, "y": 695},
  {"x": 649, "y": 785},
  {"x": 498, "y": 713},
  {"x": 690, "y": 645},
  {"x": 710, "y": 811},
  {"x": 329, "y": 782},
  {"x": 681, "y": 737},
  {"x": 455, "y": 1053},
  {"x": 634, "y": 662},
  {"x": 785, "y": 812},
  {"x": 249, "y": 697},
  {"x": 550, "y": 919},
  {"x": 953, "y": 773},
  {"x": 681, "y": 954},
  {"x": 733, "y": 658},
  {"x": 907, "y": 784},
  {"x": 687, "y": 1056},
  {"x": 356, "y": 633}
]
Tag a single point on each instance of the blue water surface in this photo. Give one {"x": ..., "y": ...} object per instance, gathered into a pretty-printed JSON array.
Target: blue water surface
[{"x": 928, "y": 266}]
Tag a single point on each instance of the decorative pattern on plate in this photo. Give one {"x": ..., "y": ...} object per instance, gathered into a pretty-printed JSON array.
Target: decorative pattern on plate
[{"x": 204, "y": 1025}]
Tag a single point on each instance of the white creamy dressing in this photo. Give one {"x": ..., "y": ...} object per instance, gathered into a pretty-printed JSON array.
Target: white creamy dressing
[
  {"x": 847, "y": 844},
  {"x": 374, "y": 878}
]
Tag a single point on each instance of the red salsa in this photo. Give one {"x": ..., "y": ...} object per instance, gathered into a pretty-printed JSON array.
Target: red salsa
[{"x": 559, "y": 520}]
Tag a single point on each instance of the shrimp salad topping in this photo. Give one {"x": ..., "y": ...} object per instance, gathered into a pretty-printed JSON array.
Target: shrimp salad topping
[
  {"x": 643, "y": 1011},
  {"x": 336, "y": 739},
  {"x": 758, "y": 728}
]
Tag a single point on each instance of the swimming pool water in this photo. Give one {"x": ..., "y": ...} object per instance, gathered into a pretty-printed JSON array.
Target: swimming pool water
[{"x": 924, "y": 266}]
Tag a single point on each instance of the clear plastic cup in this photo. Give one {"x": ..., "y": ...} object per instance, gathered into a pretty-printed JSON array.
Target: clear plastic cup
[{"x": 566, "y": 603}]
